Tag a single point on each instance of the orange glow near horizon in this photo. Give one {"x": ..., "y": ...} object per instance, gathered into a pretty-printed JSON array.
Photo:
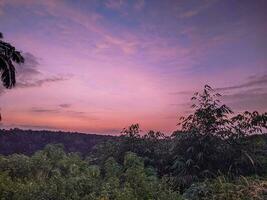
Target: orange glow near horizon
[{"x": 97, "y": 67}]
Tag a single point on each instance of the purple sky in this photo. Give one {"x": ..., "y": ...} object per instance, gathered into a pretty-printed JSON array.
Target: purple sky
[{"x": 98, "y": 66}]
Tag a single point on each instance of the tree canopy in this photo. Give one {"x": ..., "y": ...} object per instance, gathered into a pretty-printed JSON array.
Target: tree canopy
[{"x": 8, "y": 56}]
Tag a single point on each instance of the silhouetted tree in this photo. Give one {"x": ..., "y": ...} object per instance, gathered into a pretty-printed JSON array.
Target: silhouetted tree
[
  {"x": 8, "y": 56},
  {"x": 211, "y": 141}
]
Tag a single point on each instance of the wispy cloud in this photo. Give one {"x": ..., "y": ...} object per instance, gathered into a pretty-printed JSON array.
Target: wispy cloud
[
  {"x": 128, "y": 56},
  {"x": 249, "y": 99},
  {"x": 65, "y": 105},
  {"x": 259, "y": 80},
  {"x": 29, "y": 68},
  {"x": 139, "y": 5},
  {"x": 182, "y": 93},
  {"x": 40, "y": 82},
  {"x": 114, "y": 4},
  {"x": 54, "y": 111},
  {"x": 29, "y": 75},
  {"x": 43, "y": 110},
  {"x": 188, "y": 13}
]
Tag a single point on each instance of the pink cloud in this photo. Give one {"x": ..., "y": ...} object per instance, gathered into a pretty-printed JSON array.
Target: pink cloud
[
  {"x": 114, "y": 4},
  {"x": 139, "y": 5},
  {"x": 119, "y": 74}
]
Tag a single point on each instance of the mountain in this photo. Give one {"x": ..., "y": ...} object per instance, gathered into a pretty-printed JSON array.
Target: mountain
[{"x": 29, "y": 141}]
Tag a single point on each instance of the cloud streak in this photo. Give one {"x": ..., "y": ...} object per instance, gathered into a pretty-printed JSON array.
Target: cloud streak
[
  {"x": 39, "y": 83},
  {"x": 28, "y": 74},
  {"x": 65, "y": 105},
  {"x": 62, "y": 111},
  {"x": 127, "y": 57},
  {"x": 43, "y": 110},
  {"x": 260, "y": 80}
]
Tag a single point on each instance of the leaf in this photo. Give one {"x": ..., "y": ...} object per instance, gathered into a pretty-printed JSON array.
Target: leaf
[
  {"x": 200, "y": 156},
  {"x": 190, "y": 149},
  {"x": 249, "y": 157},
  {"x": 189, "y": 162},
  {"x": 8, "y": 72},
  {"x": 178, "y": 164},
  {"x": 17, "y": 57}
]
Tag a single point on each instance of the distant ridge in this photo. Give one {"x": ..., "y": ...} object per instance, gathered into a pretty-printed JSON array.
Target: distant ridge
[{"x": 29, "y": 141}]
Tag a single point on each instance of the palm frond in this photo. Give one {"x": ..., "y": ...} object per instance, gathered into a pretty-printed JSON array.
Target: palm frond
[
  {"x": 17, "y": 57},
  {"x": 8, "y": 56},
  {"x": 8, "y": 72}
]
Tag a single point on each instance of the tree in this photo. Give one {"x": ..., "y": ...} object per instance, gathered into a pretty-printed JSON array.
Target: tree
[
  {"x": 210, "y": 116},
  {"x": 8, "y": 56},
  {"x": 211, "y": 141}
]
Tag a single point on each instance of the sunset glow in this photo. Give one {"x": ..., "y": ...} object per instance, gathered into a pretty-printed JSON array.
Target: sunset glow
[{"x": 99, "y": 66}]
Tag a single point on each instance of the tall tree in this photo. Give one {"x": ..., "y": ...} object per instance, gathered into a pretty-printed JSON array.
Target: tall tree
[{"x": 8, "y": 56}]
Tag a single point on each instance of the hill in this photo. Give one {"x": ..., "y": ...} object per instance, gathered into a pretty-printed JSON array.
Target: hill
[{"x": 28, "y": 141}]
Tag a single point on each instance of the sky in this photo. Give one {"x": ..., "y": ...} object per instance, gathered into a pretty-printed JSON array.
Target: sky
[{"x": 98, "y": 66}]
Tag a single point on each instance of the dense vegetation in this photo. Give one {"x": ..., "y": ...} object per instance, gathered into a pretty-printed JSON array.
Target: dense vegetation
[
  {"x": 215, "y": 155},
  {"x": 53, "y": 174},
  {"x": 28, "y": 141}
]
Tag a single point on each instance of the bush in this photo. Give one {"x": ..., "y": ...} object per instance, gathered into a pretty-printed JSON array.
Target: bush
[
  {"x": 54, "y": 174},
  {"x": 250, "y": 188}
]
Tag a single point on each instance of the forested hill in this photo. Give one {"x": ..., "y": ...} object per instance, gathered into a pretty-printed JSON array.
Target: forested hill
[{"x": 28, "y": 141}]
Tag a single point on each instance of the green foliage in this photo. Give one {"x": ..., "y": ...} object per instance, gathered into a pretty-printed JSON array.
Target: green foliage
[
  {"x": 210, "y": 116},
  {"x": 153, "y": 147},
  {"x": 207, "y": 159},
  {"x": 212, "y": 142},
  {"x": 54, "y": 174},
  {"x": 221, "y": 188}
]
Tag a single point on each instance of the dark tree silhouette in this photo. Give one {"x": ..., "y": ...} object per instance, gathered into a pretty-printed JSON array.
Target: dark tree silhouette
[{"x": 8, "y": 56}]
